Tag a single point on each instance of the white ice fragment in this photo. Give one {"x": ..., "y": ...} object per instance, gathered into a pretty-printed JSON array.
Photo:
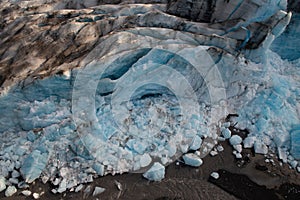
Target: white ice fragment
[
  {"x": 298, "y": 169},
  {"x": 145, "y": 160},
  {"x": 184, "y": 148},
  {"x": 221, "y": 139},
  {"x": 2, "y": 183},
  {"x": 293, "y": 164},
  {"x": 45, "y": 179},
  {"x": 78, "y": 188},
  {"x": 213, "y": 153},
  {"x": 238, "y": 155},
  {"x": 260, "y": 147},
  {"x": 99, "y": 169},
  {"x": 54, "y": 191},
  {"x": 98, "y": 190},
  {"x": 11, "y": 190},
  {"x": 26, "y": 193},
  {"x": 226, "y": 133},
  {"x": 267, "y": 160},
  {"x": 196, "y": 144},
  {"x": 235, "y": 140},
  {"x": 15, "y": 174},
  {"x": 62, "y": 186},
  {"x": 249, "y": 142},
  {"x": 238, "y": 148},
  {"x": 164, "y": 160},
  {"x": 226, "y": 124},
  {"x": 33, "y": 165},
  {"x": 192, "y": 160},
  {"x": 67, "y": 74},
  {"x": 119, "y": 185},
  {"x": 13, "y": 181},
  {"x": 220, "y": 148},
  {"x": 156, "y": 172},
  {"x": 56, "y": 181},
  {"x": 282, "y": 154},
  {"x": 215, "y": 175},
  {"x": 36, "y": 195},
  {"x": 89, "y": 178}
]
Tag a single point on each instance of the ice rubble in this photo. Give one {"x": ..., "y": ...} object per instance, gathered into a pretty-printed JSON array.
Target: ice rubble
[{"x": 145, "y": 97}]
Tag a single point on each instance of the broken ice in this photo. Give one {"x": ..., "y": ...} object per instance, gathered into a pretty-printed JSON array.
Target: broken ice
[{"x": 155, "y": 173}]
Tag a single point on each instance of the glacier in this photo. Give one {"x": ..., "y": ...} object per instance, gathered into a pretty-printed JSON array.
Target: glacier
[{"x": 157, "y": 82}]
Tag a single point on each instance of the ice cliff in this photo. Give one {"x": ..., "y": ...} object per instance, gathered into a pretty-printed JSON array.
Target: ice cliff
[{"x": 103, "y": 87}]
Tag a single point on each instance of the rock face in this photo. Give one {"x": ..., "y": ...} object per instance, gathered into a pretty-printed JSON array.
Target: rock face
[{"x": 105, "y": 87}]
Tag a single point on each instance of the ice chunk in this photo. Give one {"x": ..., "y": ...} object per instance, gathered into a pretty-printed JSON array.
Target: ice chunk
[
  {"x": 226, "y": 124},
  {"x": 192, "y": 160},
  {"x": 213, "y": 153},
  {"x": 238, "y": 155},
  {"x": 260, "y": 147},
  {"x": 119, "y": 185},
  {"x": 15, "y": 174},
  {"x": 13, "y": 181},
  {"x": 99, "y": 169},
  {"x": 295, "y": 142},
  {"x": 98, "y": 190},
  {"x": 220, "y": 148},
  {"x": 62, "y": 186},
  {"x": 226, "y": 133},
  {"x": 249, "y": 142},
  {"x": 78, "y": 188},
  {"x": 36, "y": 195},
  {"x": 196, "y": 144},
  {"x": 33, "y": 165},
  {"x": 282, "y": 154},
  {"x": 2, "y": 183},
  {"x": 235, "y": 140},
  {"x": 215, "y": 175},
  {"x": 26, "y": 193},
  {"x": 11, "y": 190},
  {"x": 156, "y": 172},
  {"x": 145, "y": 160},
  {"x": 238, "y": 148}
]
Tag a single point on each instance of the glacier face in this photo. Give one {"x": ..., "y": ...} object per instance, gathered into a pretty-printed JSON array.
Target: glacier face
[{"x": 146, "y": 93}]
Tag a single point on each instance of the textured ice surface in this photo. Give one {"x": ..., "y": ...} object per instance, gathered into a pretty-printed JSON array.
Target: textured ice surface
[
  {"x": 156, "y": 172},
  {"x": 192, "y": 160},
  {"x": 295, "y": 141}
]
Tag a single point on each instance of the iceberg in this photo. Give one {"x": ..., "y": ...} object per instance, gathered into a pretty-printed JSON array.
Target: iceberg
[
  {"x": 11, "y": 190},
  {"x": 155, "y": 173},
  {"x": 295, "y": 142},
  {"x": 2, "y": 184},
  {"x": 98, "y": 190},
  {"x": 192, "y": 160},
  {"x": 33, "y": 165},
  {"x": 235, "y": 140}
]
